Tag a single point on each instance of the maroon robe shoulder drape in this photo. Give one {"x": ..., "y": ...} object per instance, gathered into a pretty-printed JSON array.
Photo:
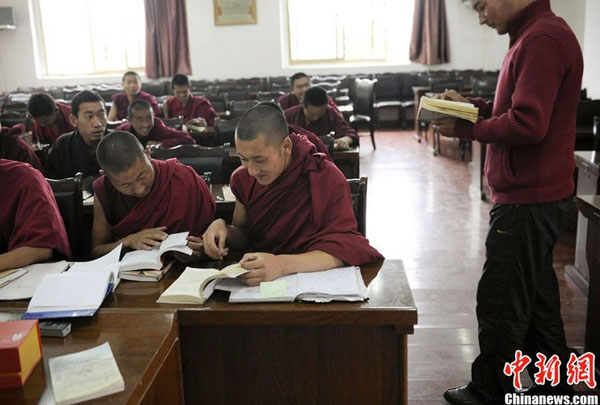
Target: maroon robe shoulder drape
[
  {"x": 121, "y": 103},
  {"x": 308, "y": 207},
  {"x": 48, "y": 134},
  {"x": 12, "y": 147},
  {"x": 331, "y": 121},
  {"x": 195, "y": 107},
  {"x": 179, "y": 199},
  {"x": 29, "y": 215},
  {"x": 167, "y": 136}
]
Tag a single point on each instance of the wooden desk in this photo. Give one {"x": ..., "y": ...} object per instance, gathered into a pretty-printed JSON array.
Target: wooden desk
[
  {"x": 348, "y": 161},
  {"x": 588, "y": 183},
  {"x": 298, "y": 352},
  {"x": 146, "y": 348},
  {"x": 589, "y": 207},
  {"x": 286, "y": 352}
]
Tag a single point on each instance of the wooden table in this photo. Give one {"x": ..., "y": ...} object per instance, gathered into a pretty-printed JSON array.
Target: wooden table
[
  {"x": 588, "y": 183},
  {"x": 589, "y": 207},
  {"x": 348, "y": 161},
  {"x": 299, "y": 352},
  {"x": 145, "y": 345},
  {"x": 288, "y": 352}
]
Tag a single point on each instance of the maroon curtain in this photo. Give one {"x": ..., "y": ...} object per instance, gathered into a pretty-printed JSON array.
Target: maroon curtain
[
  {"x": 167, "y": 49},
  {"x": 429, "y": 41}
]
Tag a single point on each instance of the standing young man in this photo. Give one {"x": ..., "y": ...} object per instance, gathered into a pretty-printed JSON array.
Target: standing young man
[{"x": 530, "y": 132}]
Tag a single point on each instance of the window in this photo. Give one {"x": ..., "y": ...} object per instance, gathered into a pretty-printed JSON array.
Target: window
[
  {"x": 88, "y": 37},
  {"x": 349, "y": 30}
]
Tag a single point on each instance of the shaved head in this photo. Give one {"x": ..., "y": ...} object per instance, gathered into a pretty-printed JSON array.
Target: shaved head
[
  {"x": 263, "y": 119},
  {"x": 138, "y": 105},
  {"x": 119, "y": 151}
]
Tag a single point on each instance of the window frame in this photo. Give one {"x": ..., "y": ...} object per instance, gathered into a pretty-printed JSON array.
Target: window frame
[{"x": 40, "y": 54}]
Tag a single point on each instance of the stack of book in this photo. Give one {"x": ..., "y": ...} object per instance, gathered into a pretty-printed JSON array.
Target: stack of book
[{"x": 431, "y": 109}]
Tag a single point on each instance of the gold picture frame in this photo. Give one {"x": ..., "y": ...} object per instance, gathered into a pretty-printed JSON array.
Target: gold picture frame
[{"x": 232, "y": 12}]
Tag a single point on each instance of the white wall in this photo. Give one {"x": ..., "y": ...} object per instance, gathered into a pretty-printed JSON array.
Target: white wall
[
  {"x": 219, "y": 52},
  {"x": 591, "y": 50}
]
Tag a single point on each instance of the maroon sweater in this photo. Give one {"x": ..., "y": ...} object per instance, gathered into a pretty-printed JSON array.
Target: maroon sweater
[{"x": 530, "y": 126}]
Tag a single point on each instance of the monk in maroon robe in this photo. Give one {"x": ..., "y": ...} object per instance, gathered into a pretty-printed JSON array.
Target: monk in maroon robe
[
  {"x": 317, "y": 117},
  {"x": 150, "y": 130},
  {"x": 132, "y": 84},
  {"x": 293, "y": 206},
  {"x": 31, "y": 227},
  {"x": 50, "y": 118},
  {"x": 194, "y": 110},
  {"x": 300, "y": 83},
  {"x": 139, "y": 200},
  {"x": 12, "y": 147}
]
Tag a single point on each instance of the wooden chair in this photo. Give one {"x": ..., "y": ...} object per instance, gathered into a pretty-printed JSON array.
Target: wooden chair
[
  {"x": 237, "y": 108},
  {"x": 388, "y": 89},
  {"x": 364, "y": 111},
  {"x": 358, "y": 191},
  {"x": 203, "y": 159},
  {"x": 225, "y": 131},
  {"x": 69, "y": 198}
]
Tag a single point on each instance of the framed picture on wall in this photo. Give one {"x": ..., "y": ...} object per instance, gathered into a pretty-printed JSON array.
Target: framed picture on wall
[{"x": 228, "y": 12}]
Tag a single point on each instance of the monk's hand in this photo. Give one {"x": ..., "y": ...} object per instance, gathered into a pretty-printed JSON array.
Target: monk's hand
[
  {"x": 342, "y": 143},
  {"x": 195, "y": 243},
  {"x": 263, "y": 266},
  {"x": 146, "y": 239},
  {"x": 214, "y": 239},
  {"x": 452, "y": 95},
  {"x": 444, "y": 126}
]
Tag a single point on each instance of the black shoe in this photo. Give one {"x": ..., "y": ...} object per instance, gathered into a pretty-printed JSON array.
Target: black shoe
[{"x": 463, "y": 395}]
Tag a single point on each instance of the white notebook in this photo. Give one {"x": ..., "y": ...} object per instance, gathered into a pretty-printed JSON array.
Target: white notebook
[
  {"x": 339, "y": 284},
  {"x": 85, "y": 375},
  {"x": 76, "y": 292}
]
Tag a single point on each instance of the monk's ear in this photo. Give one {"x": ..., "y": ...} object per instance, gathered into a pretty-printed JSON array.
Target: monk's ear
[
  {"x": 73, "y": 120},
  {"x": 287, "y": 143}
]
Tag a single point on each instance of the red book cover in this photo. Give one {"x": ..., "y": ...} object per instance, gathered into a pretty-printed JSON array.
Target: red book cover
[{"x": 20, "y": 351}]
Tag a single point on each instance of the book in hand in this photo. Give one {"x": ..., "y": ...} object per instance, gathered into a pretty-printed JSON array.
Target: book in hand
[
  {"x": 339, "y": 284},
  {"x": 151, "y": 259},
  {"x": 85, "y": 375},
  {"x": 195, "y": 286},
  {"x": 77, "y": 292},
  {"x": 431, "y": 109},
  {"x": 147, "y": 275},
  {"x": 20, "y": 351}
]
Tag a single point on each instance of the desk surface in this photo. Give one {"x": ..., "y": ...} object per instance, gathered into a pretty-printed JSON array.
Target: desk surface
[
  {"x": 390, "y": 302},
  {"x": 138, "y": 360}
]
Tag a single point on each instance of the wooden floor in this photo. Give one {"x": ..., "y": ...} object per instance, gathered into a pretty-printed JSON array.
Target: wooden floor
[{"x": 421, "y": 209}]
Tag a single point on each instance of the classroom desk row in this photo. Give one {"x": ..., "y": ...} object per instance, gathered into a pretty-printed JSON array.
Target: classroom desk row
[{"x": 255, "y": 353}]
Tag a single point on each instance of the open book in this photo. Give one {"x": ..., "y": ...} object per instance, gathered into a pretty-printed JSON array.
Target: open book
[
  {"x": 339, "y": 284},
  {"x": 151, "y": 259},
  {"x": 77, "y": 292},
  {"x": 194, "y": 286},
  {"x": 85, "y": 375},
  {"x": 147, "y": 275},
  {"x": 434, "y": 109}
]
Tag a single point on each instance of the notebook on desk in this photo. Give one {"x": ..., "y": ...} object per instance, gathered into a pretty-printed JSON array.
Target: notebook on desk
[
  {"x": 77, "y": 292},
  {"x": 339, "y": 284}
]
